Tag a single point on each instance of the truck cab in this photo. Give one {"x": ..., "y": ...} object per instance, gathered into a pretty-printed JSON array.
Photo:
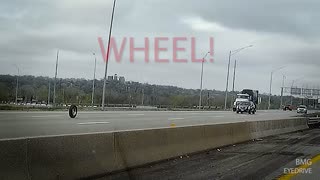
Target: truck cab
[
  {"x": 247, "y": 95},
  {"x": 246, "y": 106},
  {"x": 240, "y": 98}
]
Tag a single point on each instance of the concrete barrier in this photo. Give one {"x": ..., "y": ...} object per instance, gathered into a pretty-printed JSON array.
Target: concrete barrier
[
  {"x": 260, "y": 129},
  {"x": 79, "y": 156},
  {"x": 70, "y": 157}
]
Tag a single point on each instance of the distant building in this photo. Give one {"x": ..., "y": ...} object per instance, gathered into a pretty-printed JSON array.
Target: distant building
[
  {"x": 122, "y": 79},
  {"x": 115, "y": 77},
  {"x": 110, "y": 78}
]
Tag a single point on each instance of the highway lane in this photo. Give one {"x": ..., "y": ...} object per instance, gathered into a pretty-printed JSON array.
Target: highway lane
[{"x": 30, "y": 124}]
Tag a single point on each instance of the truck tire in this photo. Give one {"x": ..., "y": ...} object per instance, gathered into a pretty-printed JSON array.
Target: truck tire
[{"x": 73, "y": 111}]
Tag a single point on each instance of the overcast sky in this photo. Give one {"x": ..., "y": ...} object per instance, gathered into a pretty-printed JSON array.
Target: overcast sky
[{"x": 283, "y": 33}]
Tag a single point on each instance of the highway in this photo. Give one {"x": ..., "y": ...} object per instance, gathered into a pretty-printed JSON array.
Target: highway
[{"x": 34, "y": 124}]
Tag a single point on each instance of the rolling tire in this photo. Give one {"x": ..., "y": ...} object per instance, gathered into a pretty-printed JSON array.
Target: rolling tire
[
  {"x": 73, "y": 111},
  {"x": 253, "y": 112}
]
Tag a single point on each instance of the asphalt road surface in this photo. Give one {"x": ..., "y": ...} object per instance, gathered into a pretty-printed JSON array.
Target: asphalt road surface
[
  {"x": 30, "y": 124},
  {"x": 274, "y": 157}
]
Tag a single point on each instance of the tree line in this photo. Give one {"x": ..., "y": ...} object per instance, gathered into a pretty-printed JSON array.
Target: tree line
[{"x": 79, "y": 91}]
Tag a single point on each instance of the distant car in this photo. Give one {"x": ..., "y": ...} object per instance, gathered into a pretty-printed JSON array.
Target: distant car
[
  {"x": 302, "y": 109},
  {"x": 287, "y": 107}
]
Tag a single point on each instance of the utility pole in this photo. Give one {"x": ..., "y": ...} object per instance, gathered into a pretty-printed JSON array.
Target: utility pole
[
  {"x": 94, "y": 78},
  {"x": 107, "y": 58},
  {"x": 55, "y": 80}
]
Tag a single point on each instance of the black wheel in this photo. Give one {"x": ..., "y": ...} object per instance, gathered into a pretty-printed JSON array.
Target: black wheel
[
  {"x": 73, "y": 111},
  {"x": 249, "y": 112},
  {"x": 241, "y": 112},
  {"x": 253, "y": 112},
  {"x": 237, "y": 112}
]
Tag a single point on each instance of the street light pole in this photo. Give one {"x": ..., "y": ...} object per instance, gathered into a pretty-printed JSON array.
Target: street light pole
[
  {"x": 55, "y": 79},
  {"x": 94, "y": 78},
  {"x": 281, "y": 103},
  {"x": 17, "y": 85},
  {"x": 107, "y": 58},
  {"x": 142, "y": 97},
  {"x": 226, "y": 93},
  {"x": 201, "y": 78},
  {"x": 234, "y": 78},
  {"x": 49, "y": 92},
  {"x": 234, "y": 74},
  {"x": 269, "y": 102},
  {"x": 230, "y": 54}
]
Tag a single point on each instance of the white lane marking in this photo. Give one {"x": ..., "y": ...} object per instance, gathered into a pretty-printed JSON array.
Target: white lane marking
[
  {"x": 194, "y": 113},
  {"x": 217, "y": 116},
  {"x": 209, "y": 116},
  {"x": 88, "y": 123},
  {"x": 175, "y": 118},
  {"x": 46, "y": 116},
  {"x": 135, "y": 114}
]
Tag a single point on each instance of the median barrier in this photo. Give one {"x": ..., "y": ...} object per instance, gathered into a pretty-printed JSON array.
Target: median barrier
[{"x": 260, "y": 129}]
